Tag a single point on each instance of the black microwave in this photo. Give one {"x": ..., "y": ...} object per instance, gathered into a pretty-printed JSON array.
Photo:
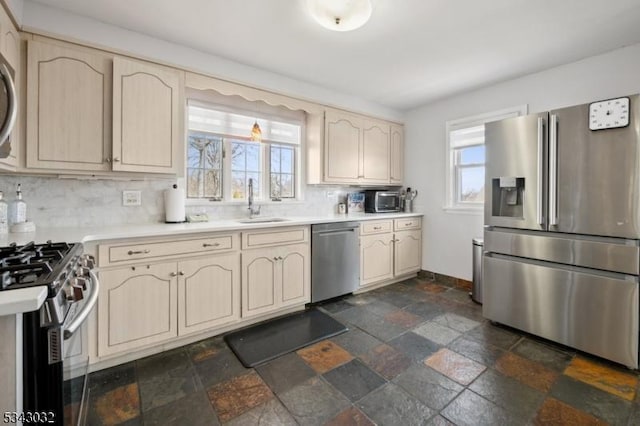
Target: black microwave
[{"x": 381, "y": 201}]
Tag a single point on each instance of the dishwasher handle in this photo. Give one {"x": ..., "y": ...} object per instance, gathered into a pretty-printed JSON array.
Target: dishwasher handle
[{"x": 335, "y": 232}]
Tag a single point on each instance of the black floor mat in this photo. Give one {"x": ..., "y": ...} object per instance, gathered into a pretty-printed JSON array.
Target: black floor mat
[{"x": 268, "y": 340}]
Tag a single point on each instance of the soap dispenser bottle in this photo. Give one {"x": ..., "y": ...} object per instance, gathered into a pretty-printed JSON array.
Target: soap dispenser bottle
[
  {"x": 18, "y": 208},
  {"x": 4, "y": 215}
]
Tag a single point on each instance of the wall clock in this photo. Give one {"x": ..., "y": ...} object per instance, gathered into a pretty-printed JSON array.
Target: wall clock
[{"x": 609, "y": 114}]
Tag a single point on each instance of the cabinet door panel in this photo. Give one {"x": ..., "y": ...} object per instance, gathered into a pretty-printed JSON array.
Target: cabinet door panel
[
  {"x": 408, "y": 255},
  {"x": 137, "y": 307},
  {"x": 145, "y": 117},
  {"x": 68, "y": 111},
  {"x": 343, "y": 136},
  {"x": 397, "y": 154},
  {"x": 296, "y": 272},
  {"x": 208, "y": 292},
  {"x": 376, "y": 258},
  {"x": 259, "y": 282},
  {"x": 375, "y": 152}
]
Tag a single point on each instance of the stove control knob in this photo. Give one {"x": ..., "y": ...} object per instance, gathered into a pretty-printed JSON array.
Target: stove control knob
[
  {"x": 79, "y": 282},
  {"x": 74, "y": 294},
  {"x": 82, "y": 271},
  {"x": 88, "y": 261}
]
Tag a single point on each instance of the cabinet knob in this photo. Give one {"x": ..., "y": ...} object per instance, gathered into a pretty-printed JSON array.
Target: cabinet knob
[
  {"x": 181, "y": 273},
  {"x": 275, "y": 258},
  {"x": 116, "y": 159},
  {"x": 107, "y": 160},
  {"x": 173, "y": 274},
  {"x": 279, "y": 257}
]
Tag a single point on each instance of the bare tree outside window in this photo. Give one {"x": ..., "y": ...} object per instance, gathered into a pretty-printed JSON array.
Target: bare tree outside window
[{"x": 204, "y": 166}]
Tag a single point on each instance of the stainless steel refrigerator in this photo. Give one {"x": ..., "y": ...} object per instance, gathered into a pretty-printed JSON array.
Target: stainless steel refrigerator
[{"x": 562, "y": 226}]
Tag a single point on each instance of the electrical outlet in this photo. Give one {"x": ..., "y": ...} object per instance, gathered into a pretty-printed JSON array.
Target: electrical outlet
[{"x": 131, "y": 198}]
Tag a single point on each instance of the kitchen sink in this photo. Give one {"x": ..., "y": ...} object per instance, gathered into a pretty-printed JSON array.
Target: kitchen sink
[{"x": 263, "y": 220}]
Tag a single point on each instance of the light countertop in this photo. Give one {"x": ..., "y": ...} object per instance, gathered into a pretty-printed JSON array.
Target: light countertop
[
  {"x": 105, "y": 233},
  {"x": 30, "y": 299}
]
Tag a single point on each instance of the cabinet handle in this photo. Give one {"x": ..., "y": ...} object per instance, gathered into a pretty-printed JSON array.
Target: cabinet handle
[
  {"x": 132, "y": 252},
  {"x": 116, "y": 160},
  {"x": 173, "y": 274},
  {"x": 408, "y": 224},
  {"x": 107, "y": 160},
  {"x": 210, "y": 245},
  {"x": 181, "y": 273},
  {"x": 377, "y": 228}
]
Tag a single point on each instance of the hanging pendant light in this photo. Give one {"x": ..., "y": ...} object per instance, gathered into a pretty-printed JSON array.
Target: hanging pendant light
[
  {"x": 340, "y": 15},
  {"x": 256, "y": 133}
]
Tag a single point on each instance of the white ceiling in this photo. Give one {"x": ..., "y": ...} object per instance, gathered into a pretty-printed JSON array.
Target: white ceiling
[{"x": 410, "y": 53}]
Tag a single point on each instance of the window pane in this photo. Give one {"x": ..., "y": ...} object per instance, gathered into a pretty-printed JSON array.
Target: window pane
[
  {"x": 287, "y": 186},
  {"x": 213, "y": 184},
  {"x": 194, "y": 183},
  {"x": 238, "y": 185},
  {"x": 472, "y": 155},
  {"x": 471, "y": 184},
  {"x": 213, "y": 153},
  {"x": 276, "y": 189},
  {"x": 275, "y": 158},
  {"x": 238, "y": 156},
  {"x": 287, "y": 160},
  {"x": 253, "y": 156}
]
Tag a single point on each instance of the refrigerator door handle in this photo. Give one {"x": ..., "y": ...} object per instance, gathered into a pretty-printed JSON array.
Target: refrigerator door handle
[
  {"x": 553, "y": 170},
  {"x": 539, "y": 214}
]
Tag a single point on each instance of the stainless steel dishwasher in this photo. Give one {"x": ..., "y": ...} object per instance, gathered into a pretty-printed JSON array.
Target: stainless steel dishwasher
[{"x": 335, "y": 260}]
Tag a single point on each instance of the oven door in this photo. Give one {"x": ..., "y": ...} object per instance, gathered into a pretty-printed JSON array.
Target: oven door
[{"x": 76, "y": 359}]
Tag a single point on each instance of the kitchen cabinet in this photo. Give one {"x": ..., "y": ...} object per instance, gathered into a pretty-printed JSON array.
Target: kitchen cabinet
[
  {"x": 91, "y": 111},
  {"x": 68, "y": 108},
  {"x": 137, "y": 306},
  {"x": 376, "y": 258},
  {"x": 146, "y": 117},
  {"x": 343, "y": 140},
  {"x": 356, "y": 150},
  {"x": 277, "y": 275},
  {"x": 10, "y": 49},
  {"x": 396, "y": 155},
  {"x": 155, "y": 290},
  {"x": 208, "y": 292},
  {"x": 389, "y": 249}
]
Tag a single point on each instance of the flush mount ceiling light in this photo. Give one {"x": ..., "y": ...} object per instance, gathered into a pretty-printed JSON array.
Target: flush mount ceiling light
[{"x": 340, "y": 15}]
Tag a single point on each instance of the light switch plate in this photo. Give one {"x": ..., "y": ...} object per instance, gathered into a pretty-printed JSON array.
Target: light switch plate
[{"x": 131, "y": 198}]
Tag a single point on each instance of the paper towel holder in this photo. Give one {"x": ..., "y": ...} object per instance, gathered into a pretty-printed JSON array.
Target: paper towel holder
[{"x": 174, "y": 210}]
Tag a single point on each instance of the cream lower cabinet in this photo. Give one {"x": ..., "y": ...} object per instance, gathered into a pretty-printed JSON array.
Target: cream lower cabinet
[
  {"x": 274, "y": 278},
  {"x": 376, "y": 258},
  {"x": 389, "y": 249},
  {"x": 208, "y": 292},
  {"x": 137, "y": 306}
]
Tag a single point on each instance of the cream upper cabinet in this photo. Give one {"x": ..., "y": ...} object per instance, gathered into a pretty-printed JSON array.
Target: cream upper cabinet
[
  {"x": 375, "y": 152},
  {"x": 68, "y": 108},
  {"x": 208, "y": 292},
  {"x": 343, "y": 140},
  {"x": 136, "y": 307},
  {"x": 146, "y": 117},
  {"x": 354, "y": 149},
  {"x": 397, "y": 154}
]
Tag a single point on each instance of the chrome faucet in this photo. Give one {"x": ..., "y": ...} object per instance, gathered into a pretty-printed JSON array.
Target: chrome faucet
[{"x": 253, "y": 209}]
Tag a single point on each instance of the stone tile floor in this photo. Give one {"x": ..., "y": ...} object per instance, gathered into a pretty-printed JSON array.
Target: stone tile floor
[{"x": 417, "y": 352}]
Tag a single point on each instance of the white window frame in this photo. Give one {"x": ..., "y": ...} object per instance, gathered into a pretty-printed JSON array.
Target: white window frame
[
  {"x": 451, "y": 203},
  {"x": 266, "y": 161}
]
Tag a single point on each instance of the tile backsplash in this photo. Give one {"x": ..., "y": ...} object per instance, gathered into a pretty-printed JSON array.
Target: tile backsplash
[{"x": 56, "y": 202}]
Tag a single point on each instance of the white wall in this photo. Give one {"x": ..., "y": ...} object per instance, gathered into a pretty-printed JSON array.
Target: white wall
[
  {"x": 16, "y": 7},
  {"x": 447, "y": 236},
  {"x": 56, "y": 22}
]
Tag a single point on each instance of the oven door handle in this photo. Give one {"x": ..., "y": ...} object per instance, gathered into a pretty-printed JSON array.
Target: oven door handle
[{"x": 86, "y": 309}]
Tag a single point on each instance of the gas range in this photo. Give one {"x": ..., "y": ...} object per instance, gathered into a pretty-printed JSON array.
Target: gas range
[{"x": 48, "y": 332}]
